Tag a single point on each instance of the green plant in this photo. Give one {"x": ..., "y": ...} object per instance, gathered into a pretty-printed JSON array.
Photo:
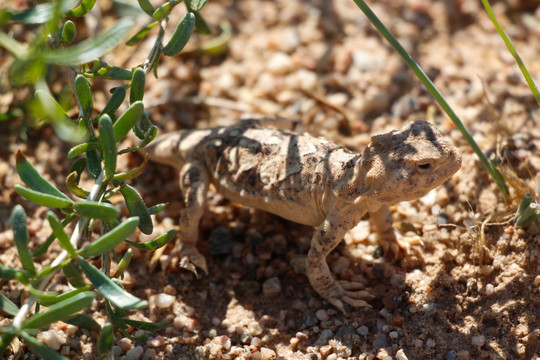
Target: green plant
[{"x": 96, "y": 153}]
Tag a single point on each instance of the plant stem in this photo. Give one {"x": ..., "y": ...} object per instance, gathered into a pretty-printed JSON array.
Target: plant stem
[
  {"x": 512, "y": 50},
  {"x": 495, "y": 174},
  {"x": 156, "y": 49}
]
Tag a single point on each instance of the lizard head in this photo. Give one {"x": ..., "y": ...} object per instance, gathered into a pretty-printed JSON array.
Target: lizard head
[{"x": 406, "y": 164}]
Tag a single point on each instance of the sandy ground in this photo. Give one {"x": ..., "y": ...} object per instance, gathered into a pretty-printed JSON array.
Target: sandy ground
[{"x": 469, "y": 287}]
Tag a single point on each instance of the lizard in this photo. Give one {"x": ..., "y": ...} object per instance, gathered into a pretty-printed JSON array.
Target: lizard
[{"x": 261, "y": 163}]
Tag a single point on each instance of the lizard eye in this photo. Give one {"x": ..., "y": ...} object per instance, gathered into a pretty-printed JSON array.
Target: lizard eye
[{"x": 424, "y": 166}]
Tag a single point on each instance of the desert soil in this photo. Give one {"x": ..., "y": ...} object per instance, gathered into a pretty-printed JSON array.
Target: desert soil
[{"x": 469, "y": 285}]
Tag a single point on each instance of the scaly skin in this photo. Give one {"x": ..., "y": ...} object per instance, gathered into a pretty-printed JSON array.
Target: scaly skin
[{"x": 306, "y": 180}]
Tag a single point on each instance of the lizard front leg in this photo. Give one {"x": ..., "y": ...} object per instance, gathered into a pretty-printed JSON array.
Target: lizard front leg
[
  {"x": 194, "y": 185},
  {"x": 326, "y": 238},
  {"x": 386, "y": 235}
]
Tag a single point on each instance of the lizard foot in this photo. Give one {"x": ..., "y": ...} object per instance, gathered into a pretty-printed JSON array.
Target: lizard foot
[
  {"x": 348, "y": 292},
  {"x": 394, "y": 248},
  {"x": 191, "y": 259}
]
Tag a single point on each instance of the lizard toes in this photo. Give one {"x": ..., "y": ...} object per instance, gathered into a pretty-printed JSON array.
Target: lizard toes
[
  {"x": 361, "y": 295},
  {"x": 355, "y": 302},
  {"x": 337, "y": 303},
  {"x": 351, "y": 285},
  {"x": 191, "y": 259}
]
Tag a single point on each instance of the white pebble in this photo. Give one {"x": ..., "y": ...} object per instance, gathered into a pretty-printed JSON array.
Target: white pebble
[
  {"x": 164, "y": 300},
  {"x": 365, "y": 60},
  {"x": 267, "y": 354},
  {"x": 400, "y": 355},
  {"x": 135, "y": 352},
  {"x": 254, "y": 329},
  {"x": 478, "y": 340},
  {"x": 280, "y": 63},
  {"x": 289, "y": 39},
  {"x": 184, "y": 322},
  {"x": 490, "y": 289},
  {"x": 52, "y": 338},
  {"x": 430, "y": 198},
  {"x": 256, "y": 341}
]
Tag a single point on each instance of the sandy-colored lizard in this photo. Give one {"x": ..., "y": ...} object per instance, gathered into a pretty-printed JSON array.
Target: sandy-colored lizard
[{"x": 307, "y": 180}]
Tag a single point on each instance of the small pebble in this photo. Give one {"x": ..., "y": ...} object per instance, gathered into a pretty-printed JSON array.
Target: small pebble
[
  {"x": 52, "y": 338},
  {"x": 322, "y": 315},
  {"x": 430, "y": 343},
  {"x": 362, "y": 330},
  {"x": 325, "y": 350},
  {"x": 184, "y": 322},
  {"x": 267, "y": 354},
  {"x": 65, "y": 350},
  {"x": 400, "y": 355},
  {"x": 164, "y": 301},
  {"x": 149, "y": 354},
  {"x": 308, "y": 320},
  {"x": 380, "y": 342},
  {"x": 383, "y": 354},
  {"x": 125, "y": 344},
  {"x": 478, "y": 340},
  {"x": 451, "y": 355},
  {"x": 325, "y": 336},
  {"x": 245, "y": 338},
  {"x": 135, "y": 352},
  {"x": 158, "y": 341},
  {"x": 280, "y": 63},
  {"x": 272, "y": 287},
  {"x": 393, "y": 335},
  {"x": 490, "y": 289},
  {"x": 256, "y": 341},
  {"x": 255, "y": 329},
  {"x": 486, "y": 269},
  {"x": 116, "y": 350}
]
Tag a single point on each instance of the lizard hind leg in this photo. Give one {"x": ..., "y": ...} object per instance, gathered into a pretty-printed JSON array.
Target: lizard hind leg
[{"x": 194, "y": 182}]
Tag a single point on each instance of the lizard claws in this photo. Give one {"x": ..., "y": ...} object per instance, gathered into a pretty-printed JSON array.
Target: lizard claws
[
  {"x": 191, "y": 259},
  {"x": 348, "y": 292}
]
